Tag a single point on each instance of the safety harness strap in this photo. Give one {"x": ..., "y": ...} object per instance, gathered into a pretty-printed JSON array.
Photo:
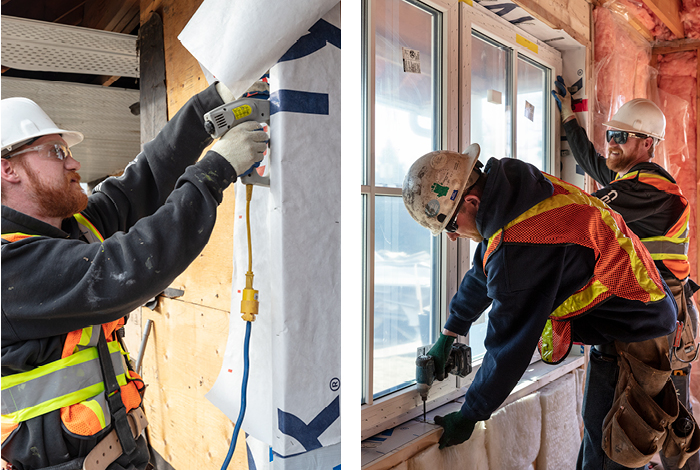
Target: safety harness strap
[{"x": 114, "y": 397}]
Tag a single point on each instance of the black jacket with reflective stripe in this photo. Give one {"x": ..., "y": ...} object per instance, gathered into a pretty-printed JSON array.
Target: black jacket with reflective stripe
[
  {"x": 156, "y": 218},
  {"x": 648, "y": 211}
]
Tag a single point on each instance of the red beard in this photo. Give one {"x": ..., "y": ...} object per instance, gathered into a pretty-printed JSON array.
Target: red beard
[{"x": 61, "y": 199}]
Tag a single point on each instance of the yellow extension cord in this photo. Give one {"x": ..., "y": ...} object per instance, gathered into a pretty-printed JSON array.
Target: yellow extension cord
[{"x": 249, "y": 302}]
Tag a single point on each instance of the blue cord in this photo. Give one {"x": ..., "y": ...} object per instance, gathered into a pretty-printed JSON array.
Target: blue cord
[{"x": 244, "y": 387}]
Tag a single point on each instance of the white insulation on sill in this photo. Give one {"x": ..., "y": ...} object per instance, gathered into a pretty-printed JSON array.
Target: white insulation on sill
[
  {"x": 513, "y": 434},
  {"x": 561, "y": 435}
]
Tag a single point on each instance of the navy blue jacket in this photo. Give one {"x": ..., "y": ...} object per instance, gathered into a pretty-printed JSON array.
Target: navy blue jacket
[{"x": 524, "y": 283}]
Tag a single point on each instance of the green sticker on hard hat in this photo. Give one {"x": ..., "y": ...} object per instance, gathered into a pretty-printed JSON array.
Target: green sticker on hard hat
[
  {"x": 432, "y": 208},
  {"x": 439, "y": 189}
]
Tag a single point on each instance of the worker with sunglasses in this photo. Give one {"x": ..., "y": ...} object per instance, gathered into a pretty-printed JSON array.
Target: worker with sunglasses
[
  {"x": 74, "y": 266},
  {"x": 653, "y": 206},
  {"x": 557, "y": 266}
]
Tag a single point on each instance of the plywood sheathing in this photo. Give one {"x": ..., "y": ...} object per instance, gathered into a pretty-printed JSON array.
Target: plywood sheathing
[{"x": 188, "y": 339}]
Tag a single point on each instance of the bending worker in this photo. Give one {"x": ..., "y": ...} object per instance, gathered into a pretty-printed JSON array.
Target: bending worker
[
  {"x": 557, "y": 266},
  {"x": 74, "y": 266},
  {"x": 653, "y": 207}
]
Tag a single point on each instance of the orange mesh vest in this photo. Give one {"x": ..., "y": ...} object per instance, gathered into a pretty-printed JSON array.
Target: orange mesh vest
[
  {"x": 671, "y": 247},
  {"x": 73, "y": 383},
  {"x": 623, "y": 268}
]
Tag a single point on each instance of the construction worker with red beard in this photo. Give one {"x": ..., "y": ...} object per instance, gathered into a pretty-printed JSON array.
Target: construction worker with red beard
[
  {"x": 73, "y": 266},
  {"x": 654, "y": 208}
]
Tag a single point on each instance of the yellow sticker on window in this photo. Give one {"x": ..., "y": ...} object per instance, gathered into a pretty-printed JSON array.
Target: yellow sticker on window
[
  {"x": 526, "y": 43},
  {"x": 468, "y": 2}
]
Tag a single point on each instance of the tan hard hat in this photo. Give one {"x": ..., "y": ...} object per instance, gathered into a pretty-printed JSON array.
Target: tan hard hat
[
  {"x": 23, "y": 120},
  {"x": 640, "y": 116},
  {"x": 435, "y": 184}
]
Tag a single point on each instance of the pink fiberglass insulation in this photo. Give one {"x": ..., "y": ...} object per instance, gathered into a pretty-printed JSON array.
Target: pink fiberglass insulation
[
  {"x": 690, "y": 16},
  {"x": 677, "y": 78},
  {"x": 621, "y": 68}
]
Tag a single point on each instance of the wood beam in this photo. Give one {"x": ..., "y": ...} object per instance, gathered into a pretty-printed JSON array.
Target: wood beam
[
  {"x": 114, "y": 15},
  {"x": 551, "y": 19},
  {"x": 668, "y": 12},
  {"x": 58, "y": 20},
  {"x": 680, "y": 45}
]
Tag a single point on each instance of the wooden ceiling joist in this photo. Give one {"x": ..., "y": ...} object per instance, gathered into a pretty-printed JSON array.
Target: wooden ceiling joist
[{"x": 668, "y": 12}]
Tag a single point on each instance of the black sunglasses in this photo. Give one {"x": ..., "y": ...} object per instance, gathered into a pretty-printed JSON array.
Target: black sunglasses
[
  {"x": 621, "y": 136},
  {"x": 451, "y": 226}
]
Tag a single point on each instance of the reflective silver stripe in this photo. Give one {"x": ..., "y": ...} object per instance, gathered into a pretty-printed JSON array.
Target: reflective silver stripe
[
  {"x": 665, "y": 247},
  {"x": 94, "y": 338},
  {"x": 56, "y": 384}
]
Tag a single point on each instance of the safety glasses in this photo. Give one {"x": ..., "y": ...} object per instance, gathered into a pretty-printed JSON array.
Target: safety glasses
[
  {"x": 621, "y": 136},
  {"x": 49, "y": 149},
  {"x": 451, "y": 226}
]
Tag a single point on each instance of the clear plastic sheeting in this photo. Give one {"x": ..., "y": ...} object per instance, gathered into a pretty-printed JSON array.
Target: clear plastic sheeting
[{"x": 622, "y": 70}]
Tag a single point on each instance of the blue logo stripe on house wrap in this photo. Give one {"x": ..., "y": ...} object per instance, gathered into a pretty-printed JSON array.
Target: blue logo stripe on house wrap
[
  {"x": 308, "y": 434},
  {"x": 319, "y": 35},
  {"x": 294, "y": 101}
]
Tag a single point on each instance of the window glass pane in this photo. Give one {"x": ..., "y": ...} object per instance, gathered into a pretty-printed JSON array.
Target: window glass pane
[
  {"x": 531, "y": 113},
  {"x": 404, "y": 94},
  {"x": 490, "y": 98},
  {"x": 403, "y": 293}
]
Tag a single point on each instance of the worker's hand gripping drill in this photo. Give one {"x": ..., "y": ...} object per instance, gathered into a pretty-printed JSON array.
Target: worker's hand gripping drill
[
  {"x": 563, "y": 99},
  {"x": 440, "y": 352},
  {"x": 242, "y": 140}
]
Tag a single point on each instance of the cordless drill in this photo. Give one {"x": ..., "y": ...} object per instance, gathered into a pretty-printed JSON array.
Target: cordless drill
[{"x": 458, "y": 363}]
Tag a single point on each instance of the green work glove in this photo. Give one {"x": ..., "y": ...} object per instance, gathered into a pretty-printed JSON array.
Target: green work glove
[
  {"x": 440, "y": 352},
  {"x": 457, "y": 429},
  {"x": 563, "y": 99}
]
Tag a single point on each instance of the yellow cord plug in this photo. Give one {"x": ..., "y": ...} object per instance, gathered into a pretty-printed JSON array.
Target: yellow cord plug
[{"x": 249, "y": 302}]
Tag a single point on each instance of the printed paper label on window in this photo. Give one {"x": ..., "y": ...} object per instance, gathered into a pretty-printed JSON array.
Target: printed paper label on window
[
  {"x": 529, "y": 111},
  {"x": 411, "y": 60}
]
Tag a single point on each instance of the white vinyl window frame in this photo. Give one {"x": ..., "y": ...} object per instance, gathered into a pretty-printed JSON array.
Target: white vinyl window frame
[{"x": 458, "y": 20}]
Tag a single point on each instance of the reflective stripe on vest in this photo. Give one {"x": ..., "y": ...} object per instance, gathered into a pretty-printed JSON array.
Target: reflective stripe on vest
[
  {"x": 91, "y": 234},
  {"x": 672, "y": 247},
  {"x": 623, "y": 267},
  {"x": 60, "y": 383}
]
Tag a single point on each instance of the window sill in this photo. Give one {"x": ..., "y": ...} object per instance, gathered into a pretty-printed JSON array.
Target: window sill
[{"x": 385, "y": 450}]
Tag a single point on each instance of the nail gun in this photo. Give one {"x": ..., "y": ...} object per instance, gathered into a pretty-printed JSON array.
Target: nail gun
[
  {"x": 458, "y": 363},
  {"x": 220, "y": 120}
]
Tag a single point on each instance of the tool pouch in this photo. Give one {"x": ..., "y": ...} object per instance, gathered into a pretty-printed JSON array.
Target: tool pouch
[
  {"x": 644, "y": 406},
  {"x": 678, "y": 449},
  {"x": 687, "y": 349},
  {"x": 636, "y": 425}
]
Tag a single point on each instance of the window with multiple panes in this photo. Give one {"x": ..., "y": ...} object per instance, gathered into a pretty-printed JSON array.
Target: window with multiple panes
[{"x": 410, "y": 79}]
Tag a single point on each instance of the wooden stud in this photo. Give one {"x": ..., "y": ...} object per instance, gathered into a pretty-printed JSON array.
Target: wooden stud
[
  {"x": 668, "y": 12},
  {"x": 154, "y": 104}
]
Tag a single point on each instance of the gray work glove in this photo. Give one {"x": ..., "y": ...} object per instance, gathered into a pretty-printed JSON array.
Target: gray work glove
[
  {"x": 457, "y": 429},
  {"x": 440, "y": 352},
  {"x": 243, "y": 146},
  {"x": 563, "y": 99}
]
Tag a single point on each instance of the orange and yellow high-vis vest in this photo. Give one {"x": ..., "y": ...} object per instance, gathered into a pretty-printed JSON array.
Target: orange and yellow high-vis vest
[
  {"x": 623, "y": 267},
  {"x": 73, "y": 383},
  {"x": 671, "y": 248}
]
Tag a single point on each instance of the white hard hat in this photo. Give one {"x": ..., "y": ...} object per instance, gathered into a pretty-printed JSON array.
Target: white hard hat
[
  {"x": 435, "y": 184},
  {"x": 23, "y": 120},
  {"x": 641, "y": 116}
]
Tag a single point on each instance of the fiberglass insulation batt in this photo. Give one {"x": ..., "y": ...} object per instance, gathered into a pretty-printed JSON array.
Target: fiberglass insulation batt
[
  {"x": 517, "y": 428},
  {"x": 561, "y": 435}
]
